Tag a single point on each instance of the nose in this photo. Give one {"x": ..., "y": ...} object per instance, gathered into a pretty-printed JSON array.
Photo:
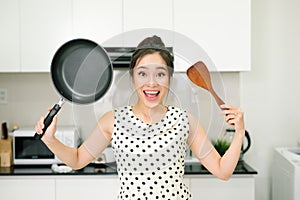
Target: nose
[{"x": 152, "y": 80}]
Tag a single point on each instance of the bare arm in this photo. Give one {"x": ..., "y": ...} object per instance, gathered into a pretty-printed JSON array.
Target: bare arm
[
  {"x": 77, "y": 158},
  {"x": 221, "y": 167}
]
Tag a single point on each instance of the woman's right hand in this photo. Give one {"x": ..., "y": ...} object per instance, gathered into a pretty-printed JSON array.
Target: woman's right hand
[{"x": 50, "y": 131}]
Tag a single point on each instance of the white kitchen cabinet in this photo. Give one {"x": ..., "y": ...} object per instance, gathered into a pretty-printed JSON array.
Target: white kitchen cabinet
[
  {"x": 33, "y": 30},
  {"x": 148, "y": 14},
  {"x": 98, "y": 20},
  {"x": 87, "y": 187},
  {"x": 27, "y": 188},
  {"x": 59, "y": 187},
  {"x": 44, "y": 27},
  {"x": 221, "y": 28},
  {"x": 143, "y": 14},
  {"x": 9, "y": 36},
  {"x": 209, "y": 187},
  {"x": 107, "y": 186}
]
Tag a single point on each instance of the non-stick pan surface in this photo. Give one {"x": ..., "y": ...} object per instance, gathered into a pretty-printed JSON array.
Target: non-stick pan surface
[{"x": 81, "y": 71}]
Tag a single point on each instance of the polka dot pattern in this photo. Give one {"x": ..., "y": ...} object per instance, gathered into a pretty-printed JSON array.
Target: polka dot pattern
[{"x": 150, "y": 157}]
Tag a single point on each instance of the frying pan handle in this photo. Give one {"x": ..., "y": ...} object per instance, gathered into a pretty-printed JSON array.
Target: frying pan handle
[{"x": 48, "y": 120}]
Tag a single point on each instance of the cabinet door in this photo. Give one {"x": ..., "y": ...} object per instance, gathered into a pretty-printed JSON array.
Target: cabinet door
[
  {"x": 215, "y": 189},
  {"x": 45, "y": 26},
  {"x": 98, "y": 20},
  {"x": 87, "y": 188},
  {"x": 27, "y": 189},
  {"x": 148, "y": 15},
  {"x": 221, "y": 28},
  {"x": 9, "y": 36}
]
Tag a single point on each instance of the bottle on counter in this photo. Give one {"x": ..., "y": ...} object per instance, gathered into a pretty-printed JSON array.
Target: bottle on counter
[{"x": 4, "y": 131}]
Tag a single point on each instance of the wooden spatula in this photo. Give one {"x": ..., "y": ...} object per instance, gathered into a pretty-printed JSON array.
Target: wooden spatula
[{"x": 199, "y": 75}]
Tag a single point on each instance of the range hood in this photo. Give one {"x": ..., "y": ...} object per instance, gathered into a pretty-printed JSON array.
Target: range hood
[{"x": 121, "y": 56}]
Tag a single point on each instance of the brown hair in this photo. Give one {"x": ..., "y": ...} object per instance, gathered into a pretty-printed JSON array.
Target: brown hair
[{"x": 151, "y": 45}]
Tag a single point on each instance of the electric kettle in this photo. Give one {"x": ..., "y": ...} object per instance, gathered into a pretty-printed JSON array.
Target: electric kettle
[
  {"x": 223, "y": 143},
  {"x": 229, "y": 136}
]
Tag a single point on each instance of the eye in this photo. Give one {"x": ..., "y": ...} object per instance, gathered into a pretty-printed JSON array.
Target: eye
[
  {"x": 161, "y": 74},
  {"x": 142, "y": 74}
]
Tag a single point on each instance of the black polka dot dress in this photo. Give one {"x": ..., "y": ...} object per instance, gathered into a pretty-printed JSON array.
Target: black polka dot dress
[{"x": 150, "y": 157}]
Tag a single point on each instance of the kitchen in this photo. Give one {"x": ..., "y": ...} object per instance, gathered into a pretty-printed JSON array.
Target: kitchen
[{"x": 266, "y": 92}]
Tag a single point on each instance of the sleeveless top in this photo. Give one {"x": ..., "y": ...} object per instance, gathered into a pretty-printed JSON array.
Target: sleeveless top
[{"x": 150, "y": 157}]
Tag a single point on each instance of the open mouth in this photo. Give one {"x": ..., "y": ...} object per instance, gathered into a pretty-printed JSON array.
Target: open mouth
[{"x": 151, "y": 93}]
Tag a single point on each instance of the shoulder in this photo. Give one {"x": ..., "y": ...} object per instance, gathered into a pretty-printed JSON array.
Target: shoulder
[
  {"x": 110, "y": 115},
  {"x": 107, "y": 117},
  {"x": 106, "y": 123},
  {"x": 193, "y": 121},
  {"x": 194, "y": 124},
  {"x": 191, "y": 118}
]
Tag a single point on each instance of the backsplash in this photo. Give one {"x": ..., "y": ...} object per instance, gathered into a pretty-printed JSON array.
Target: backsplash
[{"x": 30, "y": 94}]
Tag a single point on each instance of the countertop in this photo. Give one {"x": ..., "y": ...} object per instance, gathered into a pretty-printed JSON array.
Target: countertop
[{"x": 194, "y": 168}]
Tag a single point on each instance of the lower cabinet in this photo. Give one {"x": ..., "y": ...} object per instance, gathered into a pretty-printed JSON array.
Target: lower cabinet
[
  {"x": 107, "y": 187},
  {"x": 27, "y": 188},
  {"x": 58, "y": 187},
  {"x": 209, "y": 187},
  {"x": 91, "y": 187}
]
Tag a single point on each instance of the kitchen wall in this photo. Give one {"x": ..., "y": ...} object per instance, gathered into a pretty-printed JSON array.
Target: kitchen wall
[
  {"x": 270, "y": 91},
  {"x": 30, "y": 94}
]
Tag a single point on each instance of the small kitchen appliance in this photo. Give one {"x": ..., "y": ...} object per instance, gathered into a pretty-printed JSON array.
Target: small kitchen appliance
[{"x": 29, "y": 151}]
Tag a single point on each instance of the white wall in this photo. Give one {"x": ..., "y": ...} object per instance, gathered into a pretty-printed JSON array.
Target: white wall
[
  {"x": 270, "y": 91},
  {"x": 30, "y": 94}
]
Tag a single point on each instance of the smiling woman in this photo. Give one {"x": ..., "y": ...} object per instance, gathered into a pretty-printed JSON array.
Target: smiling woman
[
  {"x": 149, "y": 138},
  {"x": 151, "y": 81}
]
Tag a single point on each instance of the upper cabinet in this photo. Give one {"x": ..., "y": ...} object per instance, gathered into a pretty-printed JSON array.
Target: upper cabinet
[
  {"x": 98, "y": 20},
  {"x": 147, "y": 18},
  {"x": 45, "y": 26},
  {"x": 9, "y": 36},
  {"x": 33, "y": 30},
  {"x": 148, "y": 14},
  {"x": 221, "y": 27}
]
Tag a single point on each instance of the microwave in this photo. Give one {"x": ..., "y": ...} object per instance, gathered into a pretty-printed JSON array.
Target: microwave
[{"x": 30, "y": 151}]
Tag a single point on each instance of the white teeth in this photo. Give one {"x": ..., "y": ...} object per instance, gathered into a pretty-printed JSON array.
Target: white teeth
[{"x": 151, "y": 92}]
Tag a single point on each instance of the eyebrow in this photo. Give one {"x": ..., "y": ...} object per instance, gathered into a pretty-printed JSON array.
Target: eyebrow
[{"x": 158, "y": 67}]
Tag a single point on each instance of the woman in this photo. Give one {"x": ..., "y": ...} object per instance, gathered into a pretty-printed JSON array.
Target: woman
[{"x": 149, "y": 138}]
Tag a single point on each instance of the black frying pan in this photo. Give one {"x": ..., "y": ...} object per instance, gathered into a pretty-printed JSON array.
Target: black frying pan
[{"x": 81, "y": 72}]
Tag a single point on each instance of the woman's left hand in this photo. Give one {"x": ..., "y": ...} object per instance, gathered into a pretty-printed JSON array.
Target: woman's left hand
[{"x": 234, "y": 116}]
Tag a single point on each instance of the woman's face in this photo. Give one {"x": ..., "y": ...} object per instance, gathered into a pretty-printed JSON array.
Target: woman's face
[{"x": 151, "y": 79}]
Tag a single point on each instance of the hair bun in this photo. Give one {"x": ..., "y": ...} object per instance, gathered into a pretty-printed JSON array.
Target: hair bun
[{"x": 153, "y": 42}]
